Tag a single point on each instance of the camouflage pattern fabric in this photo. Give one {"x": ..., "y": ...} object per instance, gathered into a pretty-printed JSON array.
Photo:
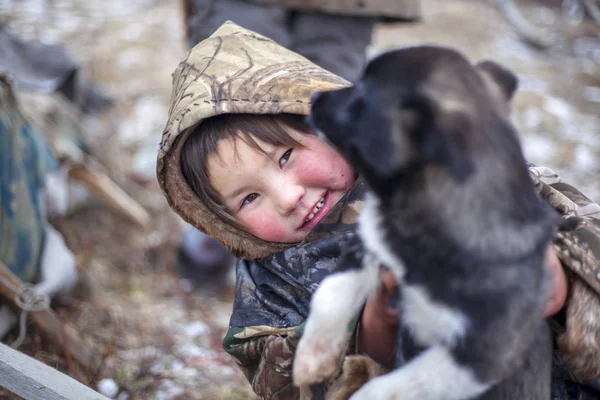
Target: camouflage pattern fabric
[
  {"x": 24, "y": 161},
  {"x": 578, "y": 240},
  {"x": 577, "y": 327},
  {"x": 272, "y": 301},
  {"x": 233, "y": 71}
]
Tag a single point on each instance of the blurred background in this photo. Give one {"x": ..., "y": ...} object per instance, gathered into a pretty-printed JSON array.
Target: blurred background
[{"x": 157, "y": 330}]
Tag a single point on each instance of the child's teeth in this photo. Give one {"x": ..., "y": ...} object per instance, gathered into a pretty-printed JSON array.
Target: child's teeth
[{"x": 315, "y": 210}]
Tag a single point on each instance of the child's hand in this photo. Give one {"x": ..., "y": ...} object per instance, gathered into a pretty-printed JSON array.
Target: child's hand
[
  {"x": 558, "y": 291},
  {"x": 379, "y": 323}
]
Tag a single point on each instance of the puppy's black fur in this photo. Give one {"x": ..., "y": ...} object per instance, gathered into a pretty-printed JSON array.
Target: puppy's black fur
[{"x": 454, "y": 213}]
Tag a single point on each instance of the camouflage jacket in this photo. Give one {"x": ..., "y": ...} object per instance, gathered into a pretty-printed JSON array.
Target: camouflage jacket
[
  {"x": 273, "y": 294},
  {"x": 272, "y": 300}
]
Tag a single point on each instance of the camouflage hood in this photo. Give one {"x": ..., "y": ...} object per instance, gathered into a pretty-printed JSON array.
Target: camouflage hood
[{"x": 233, "y": 71}]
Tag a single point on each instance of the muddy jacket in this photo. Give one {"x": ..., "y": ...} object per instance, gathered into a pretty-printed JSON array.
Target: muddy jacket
[{"x": 239, "y": 71}]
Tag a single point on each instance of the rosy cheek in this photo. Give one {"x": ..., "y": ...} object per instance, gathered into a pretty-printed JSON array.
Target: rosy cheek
[
  {"x": 264, "y": 226},
  {"x": 312, "y": 170},
  {"x": 324, "y": 170}
]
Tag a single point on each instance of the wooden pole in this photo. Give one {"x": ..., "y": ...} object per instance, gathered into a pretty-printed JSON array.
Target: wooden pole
[
  {"x": 111, "y": 193},
  {"x": 57, "y": 332}
]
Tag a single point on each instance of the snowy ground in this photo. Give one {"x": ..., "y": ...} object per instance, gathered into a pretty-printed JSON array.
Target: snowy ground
[{"x": 161, "y": 340}]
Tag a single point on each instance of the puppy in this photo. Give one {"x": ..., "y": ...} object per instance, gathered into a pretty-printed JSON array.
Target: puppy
[{"x": 453, "y": 212}]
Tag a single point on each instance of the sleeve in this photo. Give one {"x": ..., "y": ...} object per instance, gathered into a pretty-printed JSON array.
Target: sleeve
[
  {"x": 266, "y": 354},
  {"x": 578, "y": 239},
  {"x": 577, "y": 244}
]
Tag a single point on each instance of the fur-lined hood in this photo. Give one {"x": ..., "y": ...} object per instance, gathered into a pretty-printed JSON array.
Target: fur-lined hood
[{"x": 233, "y": 71}]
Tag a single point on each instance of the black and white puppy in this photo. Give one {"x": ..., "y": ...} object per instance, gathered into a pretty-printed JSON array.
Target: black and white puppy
[{"x": 453, "y": 212}]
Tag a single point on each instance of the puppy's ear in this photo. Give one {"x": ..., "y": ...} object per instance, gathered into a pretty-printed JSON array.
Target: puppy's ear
[
  {"x": 502, "y": 78},
  {"x": 440, "y": 137}
]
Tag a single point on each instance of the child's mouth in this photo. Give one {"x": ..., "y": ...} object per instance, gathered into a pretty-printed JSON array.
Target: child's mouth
[{"x": 315, "y": 211}]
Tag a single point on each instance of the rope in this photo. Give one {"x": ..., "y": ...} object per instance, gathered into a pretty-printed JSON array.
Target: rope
[{"x": 27, "y": 299}]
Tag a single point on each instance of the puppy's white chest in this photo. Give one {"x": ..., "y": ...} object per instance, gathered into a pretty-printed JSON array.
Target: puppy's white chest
[
  {"x": 373, "y": 237},
  {"x": 428, "y": 321}
]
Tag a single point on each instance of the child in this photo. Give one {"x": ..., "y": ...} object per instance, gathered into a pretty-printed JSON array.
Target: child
[
  {"x": 333, "y": 34},
  {"x": 282, "y": 200}
]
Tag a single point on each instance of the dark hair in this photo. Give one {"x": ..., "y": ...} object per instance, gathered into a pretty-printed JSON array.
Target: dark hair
[{"x": 202, "y": 143}]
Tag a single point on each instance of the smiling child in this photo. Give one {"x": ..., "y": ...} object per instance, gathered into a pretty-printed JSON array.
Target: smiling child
[{"x": 237, "y": 162}]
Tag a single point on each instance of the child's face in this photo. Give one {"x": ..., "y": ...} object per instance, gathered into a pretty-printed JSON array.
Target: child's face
[{"x": 281, "y": 194}]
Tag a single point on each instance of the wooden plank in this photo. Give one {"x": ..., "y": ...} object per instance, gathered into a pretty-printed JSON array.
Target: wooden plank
[
  {"x": 34, "y": 380},
  {"x": 111, "y": 193},
  {"x": 59, "y": 333}
]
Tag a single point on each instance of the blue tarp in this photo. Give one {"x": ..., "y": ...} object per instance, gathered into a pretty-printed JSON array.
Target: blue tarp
[{"x": 25, "y": 159}]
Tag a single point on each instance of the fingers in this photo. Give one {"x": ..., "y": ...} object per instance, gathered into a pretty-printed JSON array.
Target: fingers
[
  {"x": 389, "y": 282},
  {"x": 388, "y": 288}
]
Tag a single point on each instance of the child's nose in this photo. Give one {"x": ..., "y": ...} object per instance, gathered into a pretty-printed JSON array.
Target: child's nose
[{"x": 290, "y": 198}]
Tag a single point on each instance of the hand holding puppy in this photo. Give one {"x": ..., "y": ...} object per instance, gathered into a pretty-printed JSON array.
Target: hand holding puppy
[{"x": 379, "y": 323}]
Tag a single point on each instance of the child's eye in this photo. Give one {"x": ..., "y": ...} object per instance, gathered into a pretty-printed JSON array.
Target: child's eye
[
  {"x": 249, "y": 199},
  {"x": 285, "y": 157}
]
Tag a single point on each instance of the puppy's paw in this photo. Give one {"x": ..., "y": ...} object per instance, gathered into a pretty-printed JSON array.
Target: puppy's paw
[{"x": 318, "y": 355}]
